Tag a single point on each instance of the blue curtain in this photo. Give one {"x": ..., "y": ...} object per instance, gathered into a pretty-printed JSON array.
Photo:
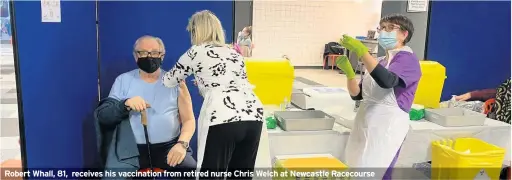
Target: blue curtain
[
  {"x": 472, "y": 40},
  {"x": 58, "y": 73}
]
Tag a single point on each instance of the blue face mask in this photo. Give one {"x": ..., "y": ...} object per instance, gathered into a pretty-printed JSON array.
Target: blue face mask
[{"x": 387, "y": 40}]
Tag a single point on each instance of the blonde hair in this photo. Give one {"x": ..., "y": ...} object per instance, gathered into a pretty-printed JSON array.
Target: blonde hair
[
  {"x": 249, "y": 30},
  {"x": 205, "y": 27}
]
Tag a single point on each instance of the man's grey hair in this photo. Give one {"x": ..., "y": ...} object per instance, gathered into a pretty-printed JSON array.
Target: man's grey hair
[{"x": 157, "y": 39}]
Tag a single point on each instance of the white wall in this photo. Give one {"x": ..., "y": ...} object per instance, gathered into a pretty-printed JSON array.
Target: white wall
[{"x": 301, "y": 28}]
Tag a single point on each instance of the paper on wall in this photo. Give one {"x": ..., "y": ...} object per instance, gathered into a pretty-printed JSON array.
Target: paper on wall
[
  {"x": 50, "y": 11},
  {"x": 417, "y": 5}
]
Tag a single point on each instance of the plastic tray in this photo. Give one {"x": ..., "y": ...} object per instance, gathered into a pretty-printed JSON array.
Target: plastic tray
[
  {"x": 454, "y": 117},
  {"x": 312, "y": 120}
]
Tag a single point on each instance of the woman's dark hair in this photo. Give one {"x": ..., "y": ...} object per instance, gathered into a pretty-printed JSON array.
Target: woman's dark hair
[{"x": 401, "y": 20}]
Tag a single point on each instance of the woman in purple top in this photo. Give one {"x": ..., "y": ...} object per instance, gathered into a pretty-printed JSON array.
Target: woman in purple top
[{"x": 387, "y": 90}]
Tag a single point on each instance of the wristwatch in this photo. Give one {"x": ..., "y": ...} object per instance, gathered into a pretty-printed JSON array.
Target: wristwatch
[{"x": 184, "y": 144}]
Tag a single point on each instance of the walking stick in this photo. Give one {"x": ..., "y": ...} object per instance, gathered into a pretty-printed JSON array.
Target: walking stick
[{"x": 144, "y": 120}]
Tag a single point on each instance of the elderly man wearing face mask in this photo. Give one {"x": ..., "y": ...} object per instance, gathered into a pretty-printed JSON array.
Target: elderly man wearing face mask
[{"x": 170, "y": 119}]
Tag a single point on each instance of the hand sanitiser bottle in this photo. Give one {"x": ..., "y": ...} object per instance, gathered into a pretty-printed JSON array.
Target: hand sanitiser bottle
[{"x": 284, "y": 105}]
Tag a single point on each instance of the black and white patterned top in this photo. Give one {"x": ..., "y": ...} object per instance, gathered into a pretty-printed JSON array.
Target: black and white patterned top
[{"x": 222, "y": 80}]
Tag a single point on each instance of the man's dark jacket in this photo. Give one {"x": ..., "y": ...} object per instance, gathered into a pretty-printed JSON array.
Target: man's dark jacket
[{"x": 116, "y": 142}]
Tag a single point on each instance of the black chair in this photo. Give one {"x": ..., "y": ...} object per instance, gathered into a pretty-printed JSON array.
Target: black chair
[{"x": 332, "y": 48}]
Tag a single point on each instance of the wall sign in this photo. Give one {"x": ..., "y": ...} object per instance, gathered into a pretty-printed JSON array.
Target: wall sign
[
  {"x": 417, "y": 5},
  {"x": 50, "y": 11}
]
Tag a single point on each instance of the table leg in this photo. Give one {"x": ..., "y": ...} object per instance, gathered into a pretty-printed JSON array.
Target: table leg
[
  {"x": 326, "y": 62},
  {"x": 332, "y": 62}
]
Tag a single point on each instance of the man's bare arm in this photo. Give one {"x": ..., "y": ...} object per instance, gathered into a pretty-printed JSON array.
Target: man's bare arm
[{"x": 188, "y": 121}]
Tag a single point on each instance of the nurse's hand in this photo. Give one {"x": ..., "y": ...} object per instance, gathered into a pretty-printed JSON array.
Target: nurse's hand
[
  {"x": 136, "y": 104},
  {"x": 354, "y": 45},
  {"x": 344, "y": 64}
]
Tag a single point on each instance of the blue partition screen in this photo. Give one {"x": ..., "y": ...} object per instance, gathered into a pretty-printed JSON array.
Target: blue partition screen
[
  {"x": 472, "y": 40},
  {"x": 58, "y": 71},
  {"x": 121, "y": 23}
]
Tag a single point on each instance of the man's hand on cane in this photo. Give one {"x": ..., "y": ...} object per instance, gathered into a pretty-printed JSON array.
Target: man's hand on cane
[{"x": 137, "y": 104}]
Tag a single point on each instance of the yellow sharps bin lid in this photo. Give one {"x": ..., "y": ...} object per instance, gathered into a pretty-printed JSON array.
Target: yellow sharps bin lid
[{"x": 432, "y": 68}]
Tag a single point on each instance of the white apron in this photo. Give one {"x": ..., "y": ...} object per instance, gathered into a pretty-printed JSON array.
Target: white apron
[
  {"x": 203, "y": 125},
  {"x": 380, "y": 127}
]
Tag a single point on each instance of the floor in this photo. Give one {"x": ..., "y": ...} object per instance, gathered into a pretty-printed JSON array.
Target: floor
[
  {"x": 9, "y": 129},
  {"x": 331, "y": 78}
]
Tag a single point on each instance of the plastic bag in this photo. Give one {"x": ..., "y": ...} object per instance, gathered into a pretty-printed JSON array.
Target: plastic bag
[
  {"x": 476, "y": 106},
  {"x": 452, "y": 102},
  {"x": 424, "y": 167}
]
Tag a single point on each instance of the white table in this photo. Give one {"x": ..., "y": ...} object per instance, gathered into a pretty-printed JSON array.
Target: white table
[
  {"x": 263, "y": 159},
  {"x": 416, "y": 147},
  {"x": 308, "y": 142},
  {"x": 276, "y": 142}
]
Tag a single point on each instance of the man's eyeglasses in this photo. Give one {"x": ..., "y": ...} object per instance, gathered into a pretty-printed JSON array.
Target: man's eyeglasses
[{"x": 149, "y": 54}]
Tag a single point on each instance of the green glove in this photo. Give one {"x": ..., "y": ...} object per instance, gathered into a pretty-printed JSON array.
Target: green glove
[
  {"x": 344, "y": 64},
  {"x": 271, "y": 122},
  {"x": 354, "y": 45}
]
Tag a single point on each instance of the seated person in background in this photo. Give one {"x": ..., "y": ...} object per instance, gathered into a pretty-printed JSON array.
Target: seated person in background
[
  {"x": 244, "y": 41},
  {"x": 142, "y": 90},
  {"x": 235, "y": 47},
  {"x": 478, "y": 95},
  {"x": 500, "y": 109}
]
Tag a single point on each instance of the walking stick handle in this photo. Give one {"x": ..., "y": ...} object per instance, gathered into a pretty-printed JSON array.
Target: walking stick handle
[{"x": 144, "y": 118}]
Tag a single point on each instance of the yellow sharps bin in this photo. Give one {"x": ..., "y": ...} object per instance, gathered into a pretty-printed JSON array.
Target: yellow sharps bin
[
  {"x": 431, "y": 84},
  {"x": 466, "y": 158},
  {"x": 273, "y": 79},
  {"x": 304, "y": 167}
]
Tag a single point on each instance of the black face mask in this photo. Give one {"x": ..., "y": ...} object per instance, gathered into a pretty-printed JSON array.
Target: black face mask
[{"x": 149, "y": 64}]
